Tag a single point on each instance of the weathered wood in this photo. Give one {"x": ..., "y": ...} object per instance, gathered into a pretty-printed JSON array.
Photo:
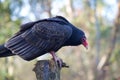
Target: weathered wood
[{"x": 47, "y": 70}]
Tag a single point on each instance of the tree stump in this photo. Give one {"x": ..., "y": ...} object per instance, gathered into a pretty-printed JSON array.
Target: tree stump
[{"x": 47, "y": 70}]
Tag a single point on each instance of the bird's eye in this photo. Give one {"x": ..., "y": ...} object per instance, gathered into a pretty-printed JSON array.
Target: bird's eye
[{"x": 83, "y": 39}]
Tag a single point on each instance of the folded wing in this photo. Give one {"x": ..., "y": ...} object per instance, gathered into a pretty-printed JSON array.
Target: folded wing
[{"x": 41, "y": 38}]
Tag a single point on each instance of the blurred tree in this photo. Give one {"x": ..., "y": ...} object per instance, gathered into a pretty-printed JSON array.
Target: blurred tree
[
  {"x": 97, "y": 42},
  {"x": 7, "y": 29},
  {"x": 42, "y": 7},
  {"x": 105, "y": 61},
  {"x": 69, "y": 9}
]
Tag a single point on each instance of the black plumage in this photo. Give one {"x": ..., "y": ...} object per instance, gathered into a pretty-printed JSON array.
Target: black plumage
[{"x": 37, "y": 38}]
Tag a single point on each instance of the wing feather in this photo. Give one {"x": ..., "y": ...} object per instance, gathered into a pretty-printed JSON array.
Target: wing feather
[{"x": 41, "y": 38}]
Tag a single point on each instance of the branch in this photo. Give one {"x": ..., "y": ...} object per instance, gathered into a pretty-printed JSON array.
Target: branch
[{"x": 47, "y": 70}]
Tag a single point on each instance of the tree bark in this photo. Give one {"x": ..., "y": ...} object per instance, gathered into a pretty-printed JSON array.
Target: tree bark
[{"x": 47, "y": 70}]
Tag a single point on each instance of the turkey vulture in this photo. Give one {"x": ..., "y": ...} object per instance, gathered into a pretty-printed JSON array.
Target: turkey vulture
[{"x": 43, "y": 36}]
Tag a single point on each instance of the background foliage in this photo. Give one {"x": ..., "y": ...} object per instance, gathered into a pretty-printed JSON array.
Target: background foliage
[{"x": 100, "y": 19}]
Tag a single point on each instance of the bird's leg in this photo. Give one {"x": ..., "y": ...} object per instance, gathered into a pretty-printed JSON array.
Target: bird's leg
[{"x": 57, "y": 60}]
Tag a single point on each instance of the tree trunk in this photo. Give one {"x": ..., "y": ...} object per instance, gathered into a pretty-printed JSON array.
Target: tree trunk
[
  {"x": 69, "y": 9},
  {"x": 105, "y": 61},
  {"x": 49, "y": 2},
  {"x": 98, "y": 35},
  {"x": 47, "y": 70}
]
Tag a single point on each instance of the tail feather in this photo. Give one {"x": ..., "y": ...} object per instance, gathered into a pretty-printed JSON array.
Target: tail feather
[{"x": 4, "y": 52}]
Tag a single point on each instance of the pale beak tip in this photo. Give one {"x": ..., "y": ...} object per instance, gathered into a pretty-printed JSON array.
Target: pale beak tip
[{"x": 86, "y": 47}]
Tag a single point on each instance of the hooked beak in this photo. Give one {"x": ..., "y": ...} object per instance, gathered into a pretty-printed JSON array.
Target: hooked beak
[{"x": 85, "y": 43}]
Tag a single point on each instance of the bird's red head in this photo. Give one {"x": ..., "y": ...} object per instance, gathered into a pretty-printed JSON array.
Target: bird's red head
[{"x": 84, "y": 42}]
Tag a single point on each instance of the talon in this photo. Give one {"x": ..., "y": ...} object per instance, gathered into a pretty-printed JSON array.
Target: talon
[{"x": 57, "y": 60}]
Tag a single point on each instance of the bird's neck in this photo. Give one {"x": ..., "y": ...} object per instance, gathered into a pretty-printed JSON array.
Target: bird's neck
[
  {"x": 71, "y": 42},
  {"x": 74, "y": 40}
]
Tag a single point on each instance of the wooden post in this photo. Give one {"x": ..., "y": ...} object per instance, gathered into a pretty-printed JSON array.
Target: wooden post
[{"x": 47, "y": 70}]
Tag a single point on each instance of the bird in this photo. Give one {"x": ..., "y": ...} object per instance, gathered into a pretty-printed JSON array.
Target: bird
[{"x": 43, "y": 36}]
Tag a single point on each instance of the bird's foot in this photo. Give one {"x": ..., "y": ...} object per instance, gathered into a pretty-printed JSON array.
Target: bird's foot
[
  {"x": 60, "y": 63},
  {"x": 57, "y": 60}
]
